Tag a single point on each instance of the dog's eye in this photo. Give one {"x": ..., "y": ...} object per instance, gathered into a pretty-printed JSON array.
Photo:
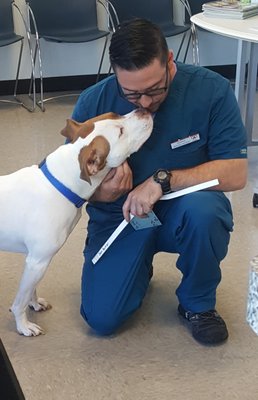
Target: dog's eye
[{"x": 121, "y": 131}]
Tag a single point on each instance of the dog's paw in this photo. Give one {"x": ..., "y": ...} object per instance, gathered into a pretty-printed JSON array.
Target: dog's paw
[
  {"x": 40, "y": 305},
  {"x": 30, "y": 329}
]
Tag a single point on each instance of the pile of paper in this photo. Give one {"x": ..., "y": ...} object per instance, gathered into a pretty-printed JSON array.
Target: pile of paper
[{"x": 229, "y": 9}]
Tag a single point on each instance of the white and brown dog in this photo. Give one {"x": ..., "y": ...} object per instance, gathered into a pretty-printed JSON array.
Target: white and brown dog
[{"x": 50, "y": 197}]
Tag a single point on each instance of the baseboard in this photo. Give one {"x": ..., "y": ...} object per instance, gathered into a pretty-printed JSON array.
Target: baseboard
[
  {"x": 56, "y": 84},
  {"x": 80, "y": 82},
  {"x": 9, "y": 386},
  {"x": 228, "y": 71}
]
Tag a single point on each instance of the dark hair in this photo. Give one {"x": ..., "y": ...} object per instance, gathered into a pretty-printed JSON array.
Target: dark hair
[{"x": 136, "y": 43}]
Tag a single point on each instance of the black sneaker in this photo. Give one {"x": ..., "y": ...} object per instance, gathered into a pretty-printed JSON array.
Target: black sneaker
[
  {"x": 207, "y": 327},
  {"x": 255, "y": 200}
]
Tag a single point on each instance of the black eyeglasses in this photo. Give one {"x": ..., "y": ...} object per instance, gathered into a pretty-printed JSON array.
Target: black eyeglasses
[{"x": 150, "y": 93}]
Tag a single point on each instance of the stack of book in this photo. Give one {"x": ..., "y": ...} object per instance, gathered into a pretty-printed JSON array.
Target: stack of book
[{"x": 229, "y": 9}]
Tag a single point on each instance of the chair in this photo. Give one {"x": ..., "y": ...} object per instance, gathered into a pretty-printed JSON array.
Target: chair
[
  {"x": 195, "y": 8},
  {"x": 161, "y": 13},
  {"x": 8, "y": 37},
  {"x": 9, "y": 385},
  {"x": 63, "y": 22}
]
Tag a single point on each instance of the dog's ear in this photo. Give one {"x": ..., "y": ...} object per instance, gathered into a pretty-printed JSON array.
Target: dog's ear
[
  {"x": 74, "y": 129},
  {"x": 92, "y": 158}
]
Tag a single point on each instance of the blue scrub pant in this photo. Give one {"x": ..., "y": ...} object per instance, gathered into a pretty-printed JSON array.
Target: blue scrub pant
[{"x": 196, "y": 226}]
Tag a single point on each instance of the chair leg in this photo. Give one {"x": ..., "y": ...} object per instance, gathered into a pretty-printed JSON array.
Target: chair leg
[
  {"x": 17, "y": 100},
  {"x": 102, "y": 58},
  {"x": 41, "y": 101},
  {"x": 19, "y": 62},
  {"x": 187, "y": 47},
  {"x": 32, "y": 77},
  {"x": 196, "y": 52},
  {"x": 180, "y": 47},
  {"x": 195, "y": 46},
  {"x": 32, "y": 87},
  {"x": 18, "y": 70},
  {"x": 37, "y": 57}
]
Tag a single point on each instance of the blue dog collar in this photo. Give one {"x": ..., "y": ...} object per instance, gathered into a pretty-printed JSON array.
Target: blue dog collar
[{"x": 69, "y": 194}]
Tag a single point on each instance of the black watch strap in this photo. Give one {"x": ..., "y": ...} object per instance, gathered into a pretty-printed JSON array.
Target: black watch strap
[{"x": 162, "y": 176}]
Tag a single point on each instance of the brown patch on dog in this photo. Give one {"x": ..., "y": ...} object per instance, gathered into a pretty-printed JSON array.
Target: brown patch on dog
[
  {"x": 92, "y": 158},
  {"x": 74, "y": 129}
]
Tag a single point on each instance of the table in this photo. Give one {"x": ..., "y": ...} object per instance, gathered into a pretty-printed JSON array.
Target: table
[{"x": 246, "y": 32}]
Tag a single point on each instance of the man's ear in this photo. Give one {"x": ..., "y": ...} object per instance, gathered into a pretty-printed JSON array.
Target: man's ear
[
  {"x": 92, "y": 158},
  {"x": 170, "y": 56}
]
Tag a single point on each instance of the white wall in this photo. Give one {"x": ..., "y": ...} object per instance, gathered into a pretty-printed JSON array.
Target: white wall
[{"x": 62, "y": 59}]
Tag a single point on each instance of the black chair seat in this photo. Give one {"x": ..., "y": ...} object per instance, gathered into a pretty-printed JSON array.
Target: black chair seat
[
  {"x": 9, "y": 38},
  {"x": 74, "y": 37},
  {"x": 173, "y": 30}
]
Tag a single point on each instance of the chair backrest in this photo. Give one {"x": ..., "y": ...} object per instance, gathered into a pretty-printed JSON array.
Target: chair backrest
[
  {"x": 60, "y": 15},
  {"x": 6, "y": 17},
  {"x": 157, "y": 11}
]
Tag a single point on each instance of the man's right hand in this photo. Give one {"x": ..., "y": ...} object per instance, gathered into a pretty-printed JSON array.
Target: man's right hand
[{"x": 116, "y": 183}]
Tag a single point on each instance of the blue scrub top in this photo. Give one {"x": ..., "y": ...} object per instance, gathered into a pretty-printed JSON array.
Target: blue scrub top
[{"x": 199, "y": 121}]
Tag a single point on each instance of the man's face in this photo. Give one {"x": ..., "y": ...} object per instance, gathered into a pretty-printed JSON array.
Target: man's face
[{"x": 147, "y": 87}]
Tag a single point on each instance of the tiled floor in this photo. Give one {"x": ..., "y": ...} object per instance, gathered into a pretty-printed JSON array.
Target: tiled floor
[{"x": 153, "y": 357}]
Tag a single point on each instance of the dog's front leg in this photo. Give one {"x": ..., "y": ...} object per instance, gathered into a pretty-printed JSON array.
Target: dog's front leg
[{"x": 33, "y": 273}]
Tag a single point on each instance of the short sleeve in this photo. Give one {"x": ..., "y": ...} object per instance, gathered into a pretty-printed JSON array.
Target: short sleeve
[{"x": 227, "y": 135}]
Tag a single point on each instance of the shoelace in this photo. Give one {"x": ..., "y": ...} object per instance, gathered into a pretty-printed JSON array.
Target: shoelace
[{"x": 212, "y": 314}]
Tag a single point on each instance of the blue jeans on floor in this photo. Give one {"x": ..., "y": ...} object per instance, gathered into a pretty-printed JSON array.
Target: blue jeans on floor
[{"x": 196, "y": 226}]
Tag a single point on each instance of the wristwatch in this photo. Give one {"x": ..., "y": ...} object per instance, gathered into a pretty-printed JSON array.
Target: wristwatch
[{"x": 162, "y": 176}]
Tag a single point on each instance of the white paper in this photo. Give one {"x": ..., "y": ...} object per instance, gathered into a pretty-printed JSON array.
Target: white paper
[
  {"x": 169, "y": 196},
  {"x": 190, "y": 189}
]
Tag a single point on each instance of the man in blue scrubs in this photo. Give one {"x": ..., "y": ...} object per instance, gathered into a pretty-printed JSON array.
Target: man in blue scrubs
[{"x": 198, "y": 136}]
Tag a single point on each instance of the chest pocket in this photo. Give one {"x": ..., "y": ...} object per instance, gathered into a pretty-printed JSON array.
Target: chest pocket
[
  {"x": 189, "y": 151},
  {"x": 183, "y": 150}
]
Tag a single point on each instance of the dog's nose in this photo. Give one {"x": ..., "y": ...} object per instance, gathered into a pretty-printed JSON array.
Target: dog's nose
[{"x": 142, "y": 112}]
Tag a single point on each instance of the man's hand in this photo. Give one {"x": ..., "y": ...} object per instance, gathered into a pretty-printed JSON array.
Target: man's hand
[
  {"x": 116, "y": 183},
  {"x": 141, "y": 200}
]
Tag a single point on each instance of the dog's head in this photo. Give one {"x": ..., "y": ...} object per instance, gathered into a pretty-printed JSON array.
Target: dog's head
[{"x": 108, "y": 139}]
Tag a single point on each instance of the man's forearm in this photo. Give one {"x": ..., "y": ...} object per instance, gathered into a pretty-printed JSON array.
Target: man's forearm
[{"x": 232, "y": 175}]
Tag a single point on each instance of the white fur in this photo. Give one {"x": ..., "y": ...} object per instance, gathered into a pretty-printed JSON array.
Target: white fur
[{"x": 36, "y": 219}]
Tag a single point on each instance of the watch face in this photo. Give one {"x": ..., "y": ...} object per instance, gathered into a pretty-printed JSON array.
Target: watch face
[{"x": 162, "y": 175}]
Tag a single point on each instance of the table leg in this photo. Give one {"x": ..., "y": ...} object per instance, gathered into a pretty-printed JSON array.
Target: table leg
[
  {"x": 240, "y": 74},
  {"x": 250, "y": 93}
]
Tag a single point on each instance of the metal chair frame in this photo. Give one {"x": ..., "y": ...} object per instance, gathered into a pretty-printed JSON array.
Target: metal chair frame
[
  {"x": 194, "y": 35},
  {"x": 192, "y": 31},
  {"x": 38, "y": 52},
  {"x": 19, "y": 38}
]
